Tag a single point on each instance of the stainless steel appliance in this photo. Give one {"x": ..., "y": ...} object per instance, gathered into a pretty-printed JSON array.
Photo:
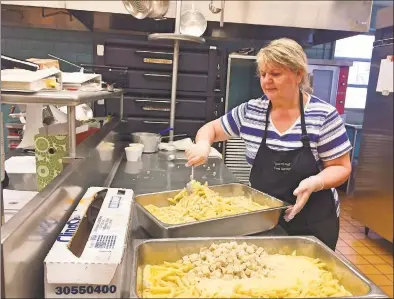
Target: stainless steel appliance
[
  {"x": 329, "y": 83},
  {"x": 372, "y": 205}
]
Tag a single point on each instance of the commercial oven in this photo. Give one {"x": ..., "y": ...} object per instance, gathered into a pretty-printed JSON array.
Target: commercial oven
[
  {"x": 144, "y": 70},
  {"x": 328, "y": 79}
]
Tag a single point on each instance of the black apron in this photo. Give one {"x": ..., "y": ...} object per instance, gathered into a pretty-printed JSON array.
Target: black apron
[{"x": 278, "y": 173}]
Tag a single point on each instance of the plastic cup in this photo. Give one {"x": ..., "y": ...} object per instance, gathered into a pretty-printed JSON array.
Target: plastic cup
[
  {"x": 134, "y": 151},
  {"x": 106, "y": 153}
]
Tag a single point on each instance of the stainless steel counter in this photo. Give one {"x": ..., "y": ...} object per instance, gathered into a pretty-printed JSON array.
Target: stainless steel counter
[
  {"x": 154, "y": 173},
  {"x": 28, "y": 236}
]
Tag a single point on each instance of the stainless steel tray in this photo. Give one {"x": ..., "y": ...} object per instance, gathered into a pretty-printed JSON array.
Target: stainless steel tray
[
  {"x": 236, "y": 225},
  {"x": 158, "y": 251}
]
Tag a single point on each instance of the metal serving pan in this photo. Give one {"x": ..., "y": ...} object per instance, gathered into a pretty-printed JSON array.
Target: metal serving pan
[
  {"x": 171, "y": 250},
  {"x": 235, "y": 225}
]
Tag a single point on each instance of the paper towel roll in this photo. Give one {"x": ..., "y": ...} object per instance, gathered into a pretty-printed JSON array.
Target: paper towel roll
[{"x": 33, "y": 123}]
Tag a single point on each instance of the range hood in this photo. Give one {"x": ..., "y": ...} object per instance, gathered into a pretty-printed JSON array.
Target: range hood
[
  {"x": 233, "y": 31},
  {"x": 308, "y": 22}
]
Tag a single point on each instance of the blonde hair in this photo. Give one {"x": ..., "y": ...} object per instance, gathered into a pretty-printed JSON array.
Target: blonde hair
[{"x": 286, "y": 53}]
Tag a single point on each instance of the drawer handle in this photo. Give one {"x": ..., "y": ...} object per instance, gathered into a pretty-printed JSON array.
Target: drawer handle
[
  {"x": 149, "y": 108},
  {"x": 157, "y": 75},
  {"x": 156, "y": 122},
  {"x": 154, "y": 52},
  {"x": 154, "y": 101}
]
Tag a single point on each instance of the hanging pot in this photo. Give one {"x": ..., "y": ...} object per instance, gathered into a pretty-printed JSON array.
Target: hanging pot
[{"x": 142, "y": 9}]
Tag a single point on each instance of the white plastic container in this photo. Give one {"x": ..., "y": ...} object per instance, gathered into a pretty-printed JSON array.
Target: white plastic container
[
  {"x": 106, "y": 151},
  {"x": 134, "y": 151}
]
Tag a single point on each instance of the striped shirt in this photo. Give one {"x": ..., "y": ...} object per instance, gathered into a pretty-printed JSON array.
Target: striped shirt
[{"x": 325, "y": 128}]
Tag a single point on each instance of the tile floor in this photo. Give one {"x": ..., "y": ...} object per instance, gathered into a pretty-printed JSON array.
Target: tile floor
[{"x": 372, "y": 254}]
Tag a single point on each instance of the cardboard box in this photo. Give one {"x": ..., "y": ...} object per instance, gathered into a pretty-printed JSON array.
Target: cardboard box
[
  {"x": 45, "y": 63},
  {"x": 87, "y": 259}
]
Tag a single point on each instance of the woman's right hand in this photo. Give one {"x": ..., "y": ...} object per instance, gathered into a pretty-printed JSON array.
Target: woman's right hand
[{"x": 198, "y": 153}]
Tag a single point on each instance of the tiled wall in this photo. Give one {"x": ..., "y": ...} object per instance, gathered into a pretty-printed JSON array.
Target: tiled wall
[
  {"x": 77, "y": 47},
  {"x": 23, "y": 43}
]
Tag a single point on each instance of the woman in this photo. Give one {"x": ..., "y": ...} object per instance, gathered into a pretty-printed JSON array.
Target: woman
[{"x": 296, "y": 143}]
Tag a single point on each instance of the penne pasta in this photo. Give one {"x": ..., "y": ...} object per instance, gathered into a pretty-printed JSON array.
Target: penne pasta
[
  {"x": 232, "y": 270},
  {"x": 202, "y": 204}
]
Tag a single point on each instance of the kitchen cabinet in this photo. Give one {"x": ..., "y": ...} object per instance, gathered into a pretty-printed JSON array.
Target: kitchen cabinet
[
  {"x": 52, "y": 4},
  {"x": 99, "y": 6}
]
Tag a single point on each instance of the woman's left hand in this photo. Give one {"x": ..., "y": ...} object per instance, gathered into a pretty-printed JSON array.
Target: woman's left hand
[{"x": 303, "y": 192}]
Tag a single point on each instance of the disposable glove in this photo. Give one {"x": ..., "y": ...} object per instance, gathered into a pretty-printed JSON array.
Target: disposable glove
[
  {"x": 303, "y": 192},
  {"x": 198, "y": 153}
]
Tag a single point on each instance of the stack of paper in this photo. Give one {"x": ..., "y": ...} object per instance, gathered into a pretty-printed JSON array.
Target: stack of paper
[{"x": 26, "y": 81}]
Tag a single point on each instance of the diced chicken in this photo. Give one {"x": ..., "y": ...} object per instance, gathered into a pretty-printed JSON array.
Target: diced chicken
[
  {"x": 233, "y": 245},
  {"x": 213, "y": 247},
  {"x": 205, "y": 271},
  {"x": 250, "y": 249},
  {"x": 220, "y": 262},
  {"x": 193, "y": 257},
  {"x": 237, "y": 269},
  {"x": 213, "y": 267},
  {"x": 248, "y": 272},
  {"x": 259, "y": 251},
  {"x": 227, "y": 261},
  {"x": 216, "y": 274},
  {"x": 230, "y": 269},
  {"x": 217, "y": 252}
]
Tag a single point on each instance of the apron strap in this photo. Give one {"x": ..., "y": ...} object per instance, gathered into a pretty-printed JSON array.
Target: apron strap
[
  {"x": 266, "y": 123},
  {"x": 304, "y": 136}
]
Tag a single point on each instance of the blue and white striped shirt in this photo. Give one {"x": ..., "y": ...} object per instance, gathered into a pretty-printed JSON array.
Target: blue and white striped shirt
[{"x": 325, "y": 128}]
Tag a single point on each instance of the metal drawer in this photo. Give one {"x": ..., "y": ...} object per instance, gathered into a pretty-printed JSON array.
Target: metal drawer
[
  {"x": 158, "y": 107},
  {"x": 110, "y": 74},
  {"x": 155, "y": 59},
  {"x": 189, "y": 127},
  {"x": 162, "y": 81}
]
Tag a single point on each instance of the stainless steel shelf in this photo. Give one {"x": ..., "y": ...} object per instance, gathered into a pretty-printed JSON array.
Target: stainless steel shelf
[
  {"x": 71, "y": 99},
  {"x": 176, "y": 36},
  {"x": 62, "y": 97}
]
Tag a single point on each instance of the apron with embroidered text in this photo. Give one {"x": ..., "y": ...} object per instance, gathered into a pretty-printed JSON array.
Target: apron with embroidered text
[{"x": 278, "y": 173}]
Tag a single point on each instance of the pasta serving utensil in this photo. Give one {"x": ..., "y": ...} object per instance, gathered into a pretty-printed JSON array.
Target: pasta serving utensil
[{"x": 189, "y": 186}]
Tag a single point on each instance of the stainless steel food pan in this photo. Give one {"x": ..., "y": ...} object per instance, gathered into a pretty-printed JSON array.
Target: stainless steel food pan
[
  {"x": 158, "y": 251},
  {"x": 236, "y": 225}
]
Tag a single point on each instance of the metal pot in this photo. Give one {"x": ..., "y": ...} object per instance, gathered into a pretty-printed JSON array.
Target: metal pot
[
  {"x": 142, "y": 9},
  {"x": 192, "y": 22},
  {"x": 159, "y": 9},
  {"x": 149, "y": 140}
]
